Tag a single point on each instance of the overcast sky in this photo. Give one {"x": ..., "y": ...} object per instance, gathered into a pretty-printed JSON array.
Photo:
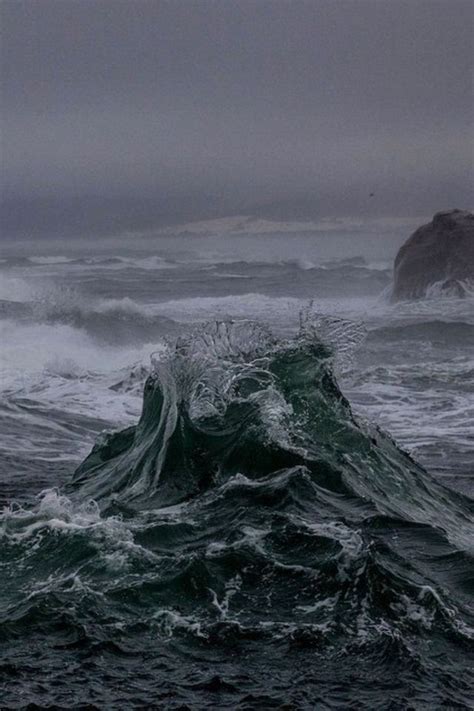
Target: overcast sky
[{"x": 130, "y": 114}]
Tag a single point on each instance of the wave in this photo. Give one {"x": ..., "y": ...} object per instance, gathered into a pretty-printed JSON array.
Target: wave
[
  {"x": 32, "y": 350},
  {"x": 51, "y": 260},
  {"x": 232, "y": 388},
  {"x": 108, "y": 320},
  {"x": 445, "y": 332},
  {"x": 444, "y": 290},
  {"x": 451, "y": 288},
  {"x": 14, "y": 289},
  {"x": 355, "y": 266},
  {"x": 248, "y": 515},
  {"x": 149, "y": 263}
]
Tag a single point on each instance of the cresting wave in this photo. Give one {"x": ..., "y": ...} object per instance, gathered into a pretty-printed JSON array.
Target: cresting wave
[
  {"x": 232, "y": 387},
  {"x": 107, "y": 320},
  {"x": 100, "y": 262},
  {"x": 248, "y": 533},
  {"x": 157, "y": 262}
]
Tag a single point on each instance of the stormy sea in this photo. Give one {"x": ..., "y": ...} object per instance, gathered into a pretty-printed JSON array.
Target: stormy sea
[{"x": 233, "y": 475}]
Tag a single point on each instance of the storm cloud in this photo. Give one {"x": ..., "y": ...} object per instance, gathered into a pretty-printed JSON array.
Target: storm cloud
[{"x": 129, "y": 115}]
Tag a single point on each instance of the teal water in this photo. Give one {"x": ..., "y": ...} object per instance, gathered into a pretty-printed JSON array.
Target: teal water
[{"x": 241, "y": 536}]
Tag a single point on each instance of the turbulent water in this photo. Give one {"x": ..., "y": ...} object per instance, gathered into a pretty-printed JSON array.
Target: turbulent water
[{"x": 233, "y": 482}]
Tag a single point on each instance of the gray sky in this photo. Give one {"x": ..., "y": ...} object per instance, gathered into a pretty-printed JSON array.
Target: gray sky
[{"x": 129, "y": 114}]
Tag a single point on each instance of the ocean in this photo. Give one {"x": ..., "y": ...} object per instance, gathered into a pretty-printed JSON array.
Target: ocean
[{"x": 233, "y": 475}]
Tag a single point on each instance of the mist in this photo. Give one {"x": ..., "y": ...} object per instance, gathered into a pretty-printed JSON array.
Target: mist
[{"x": 129, "y": 116}]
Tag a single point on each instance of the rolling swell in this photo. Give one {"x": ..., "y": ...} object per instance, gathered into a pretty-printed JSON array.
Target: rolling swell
[
  {"x": 450, "y": 332},
  {"x": 248, "y": 542},
  {"x": 109, "y": 321}
]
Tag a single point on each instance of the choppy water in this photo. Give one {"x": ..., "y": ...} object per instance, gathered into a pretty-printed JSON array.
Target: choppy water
[{"x": 249, "y": 537}]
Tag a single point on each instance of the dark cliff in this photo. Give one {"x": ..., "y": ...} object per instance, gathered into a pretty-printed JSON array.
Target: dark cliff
[{"x": 439, "y": 253}]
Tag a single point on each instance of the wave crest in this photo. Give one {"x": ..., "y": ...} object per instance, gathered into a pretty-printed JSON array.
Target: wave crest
[{"x": 232, "y": 399}]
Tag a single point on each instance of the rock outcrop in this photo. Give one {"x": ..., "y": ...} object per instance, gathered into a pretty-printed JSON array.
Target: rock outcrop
[{"x": 438, "y": 258}]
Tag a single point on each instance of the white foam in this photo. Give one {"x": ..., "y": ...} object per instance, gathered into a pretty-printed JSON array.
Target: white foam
[
  {"x": 117, "y": 263},
  {"x": 148, "y": 263},
  {"x": 57, "y": 514},
  {"x": 15, "y": 289},
  {"x": 125, "y": 305},
  {"x": 61, "y": 349},
  {"x": 50, "y": 260},
  {"x": 61, "y": 370},
  {"x": 257, "y": 306}
]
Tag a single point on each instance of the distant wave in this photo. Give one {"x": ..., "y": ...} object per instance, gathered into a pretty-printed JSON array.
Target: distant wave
[
  {"x": 51, "y": 260},
  {"x": 108, "y": 319},
  {"x": 448, "y": 332},
  {"x": 113, "y": 262},
  {"x": 302, "y": 263},
  {"x": 147, "y": 263},
  {"x": 325, "y": 274},
  {"x": 112, "y": 320}
]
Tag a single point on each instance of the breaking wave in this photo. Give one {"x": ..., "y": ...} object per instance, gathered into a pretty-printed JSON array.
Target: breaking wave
[
  {"x": 114, "y": 320},
  {"x": 250, "y": 518}
]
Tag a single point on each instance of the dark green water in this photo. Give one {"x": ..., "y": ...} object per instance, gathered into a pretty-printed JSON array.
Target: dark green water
[{"x": 248, "y": 544}]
